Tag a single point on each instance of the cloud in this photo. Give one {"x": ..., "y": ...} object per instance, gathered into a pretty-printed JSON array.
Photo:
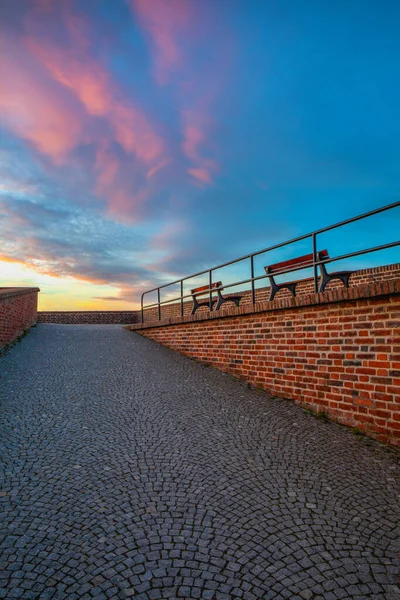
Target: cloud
[
  {"x": 71, "y": 65},
  {"x": 194, "y": 136},
  {"x": 108, "y": 298},
  {"x": 101, "y": 150},
  {"x": 68, "y": 242},
  {"x": 107, "y": 166},
  {"x": 167, "y": 236},
  {"x": 127, "y": 294},
  {"x": 201, "y": 174},
  {"x": 67, "y": 105},
  {"x": 32, "y": 105},
  {"x": 164, "y": 21},
  {"x": 64, "y": 240},
  {"x": 172, "y": 26}
]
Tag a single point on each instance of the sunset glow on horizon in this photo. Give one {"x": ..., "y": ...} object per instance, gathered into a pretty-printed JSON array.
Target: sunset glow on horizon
[{"x": 142, "y": 140}]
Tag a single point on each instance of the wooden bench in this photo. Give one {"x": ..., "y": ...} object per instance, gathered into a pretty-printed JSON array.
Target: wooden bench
[
  {"x": 302, "y": 262},
  {"x": 205, "y": 289}
]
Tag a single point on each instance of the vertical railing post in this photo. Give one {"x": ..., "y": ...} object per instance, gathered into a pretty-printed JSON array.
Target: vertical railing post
[
  {"x": 181, "y": 297},
  {"x": 159, "y": 306},
  {"x": 314, "y": 245},
  {"x": 141, "y": 304},
  {"x": 210, "y": 284},
  {"x": 253, "y": 292}
]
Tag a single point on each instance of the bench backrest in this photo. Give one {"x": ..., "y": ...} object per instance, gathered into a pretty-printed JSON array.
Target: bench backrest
[
  {"x": 301, "y": 262},
  {"x": 205, "y": 288}
]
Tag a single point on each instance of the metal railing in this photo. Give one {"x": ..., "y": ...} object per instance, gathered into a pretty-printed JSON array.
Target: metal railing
[{"x": 252, "y": 279}]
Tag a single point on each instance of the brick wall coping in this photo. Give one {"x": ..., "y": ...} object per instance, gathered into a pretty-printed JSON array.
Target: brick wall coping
[
  {"x": 374, "y": 270},
  {"x": 82, "y": 317},
  {"x": 351, "y": 294},
  {"x": 9, "y": 292}
]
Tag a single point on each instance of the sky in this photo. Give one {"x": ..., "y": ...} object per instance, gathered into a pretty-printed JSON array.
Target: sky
[{"x": 145, "y": 140}]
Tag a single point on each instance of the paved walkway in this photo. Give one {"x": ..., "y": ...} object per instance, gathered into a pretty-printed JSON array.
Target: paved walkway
[{"x": 133, "y": 472}]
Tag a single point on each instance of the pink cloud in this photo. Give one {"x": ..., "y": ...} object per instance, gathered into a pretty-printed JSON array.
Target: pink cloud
[
  {"x": 33, "y": 107},
  {"x": 164, "y": 20},
  {"x": 107, "y": 166},
  {"x": 126, "y": 199},
  {"x": 201, "y": 175},
  {"x": 127, "y": 206},
  {"x": 67, "y": 104},
  {"x": 151, "y": 172},
  {"x": 194, "y": 127},
  {"x": 193, "y": 136},
  {"x": 58, "y": 96},
  {"x": 135, "y": 134},
  {"x": 175, "y": 27},
  {"x": 92, "y": 85}
]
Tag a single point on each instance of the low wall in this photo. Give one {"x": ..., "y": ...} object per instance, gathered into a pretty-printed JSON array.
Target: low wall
[
  {"x": 18, "y": 312},
  {"x": 86, "y": 317},
  {"x": 336, "y": 352},
  {"x": 306, "y": 286}
]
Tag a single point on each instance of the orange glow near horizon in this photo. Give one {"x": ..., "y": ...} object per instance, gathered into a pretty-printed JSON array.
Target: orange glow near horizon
[{"x": 62, "y": 293}]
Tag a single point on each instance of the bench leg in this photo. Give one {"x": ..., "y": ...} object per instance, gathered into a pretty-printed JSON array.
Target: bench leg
[
  {"x": 236, "y": 299},
  {"x": 276, "y": 287},
  {"x": 221, "y": 300},
  {"x": 197, "y": 305},
  {"x": 326, "y": 278},
  {"x": 345, "y": 278},
  {"x": 291, "y": 287}
]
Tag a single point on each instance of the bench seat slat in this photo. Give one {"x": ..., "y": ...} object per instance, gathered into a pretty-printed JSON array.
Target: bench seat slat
[
  {"x": 299, "y": 262},
  {"x": 206, "y": 288}
]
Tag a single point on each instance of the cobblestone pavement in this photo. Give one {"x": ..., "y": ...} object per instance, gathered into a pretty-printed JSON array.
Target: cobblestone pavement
[{"x": 133, "y": 472}]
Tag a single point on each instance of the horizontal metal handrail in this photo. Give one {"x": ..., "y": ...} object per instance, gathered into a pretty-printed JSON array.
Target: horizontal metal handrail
[
  {"x": 314, "y": 264},
  {"x": 243, "y": 281},
  {"x": 360, "y": 252}
]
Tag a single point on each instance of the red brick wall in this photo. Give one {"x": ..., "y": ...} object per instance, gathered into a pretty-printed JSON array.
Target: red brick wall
[
  {"x": 303, "y": 287},
  {"x": 85, "y": 317},
  {"x": 18, "y": 311},
  {"x": 337, "y": 352}
]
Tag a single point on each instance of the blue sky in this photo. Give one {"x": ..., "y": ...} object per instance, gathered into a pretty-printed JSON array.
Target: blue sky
[{"x": 142, "y": 140}]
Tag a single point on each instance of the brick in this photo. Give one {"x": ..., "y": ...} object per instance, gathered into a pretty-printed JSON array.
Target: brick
[
  {"x": 366, "y": 402},
  {"x": 338, "y": 351},
  {"x": 18, "y": 312},
  {"x": 101, "y": 317}
]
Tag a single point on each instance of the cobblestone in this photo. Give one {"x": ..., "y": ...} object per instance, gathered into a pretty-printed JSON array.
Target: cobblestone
[{"x": 129, "y": 471}]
